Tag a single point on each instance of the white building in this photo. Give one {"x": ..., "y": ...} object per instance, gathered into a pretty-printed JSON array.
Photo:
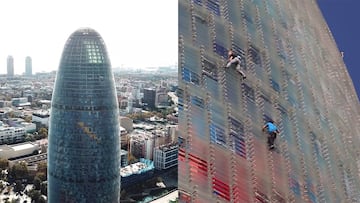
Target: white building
[
  {"x": 166, "y": 156},
  {"x": 173, "y": 97},
  {"x": 11, "y": 134},
  {"x": 123, "y": 131},
  {"x": 22, "y": 101},
  {"x": 123, "y": 158},
  {"x": 41, "y": 116},
  {"x": 142, "y": 144},
  {"x": 29, "y": 127},
  {"x": 17, "y": 150},
  {"x": 172, "y": 131}
]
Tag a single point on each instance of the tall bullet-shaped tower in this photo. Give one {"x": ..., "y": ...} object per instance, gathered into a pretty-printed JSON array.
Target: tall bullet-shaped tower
[{"x": 83, "y": 155}]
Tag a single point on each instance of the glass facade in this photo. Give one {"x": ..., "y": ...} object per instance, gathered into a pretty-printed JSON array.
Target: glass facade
[
  {"x": 295, "y": 76},
  {"x": 83, "y": 155}
]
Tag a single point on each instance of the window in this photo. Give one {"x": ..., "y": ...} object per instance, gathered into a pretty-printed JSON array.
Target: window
[
  {"x": 213, "y": 5},
  {"x": 217, "y": 135},
  {"x": 209, "y": 69},
  {"x": 255, "y": 55},
  {"x": 248, "y": 92},
  {"x": 275, "y": 85},
  {"x": 190, "y": 76},
  {"x": 220, "y": 50},
  {"x": 202, "y": 31},
  {"x": 197, "y": 101},
  {"x": 241, "y": 53},
  {"x": 237, "y": 136}
]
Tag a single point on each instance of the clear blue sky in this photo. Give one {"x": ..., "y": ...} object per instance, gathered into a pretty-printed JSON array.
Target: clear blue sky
[{"x": 343, "y": 18}]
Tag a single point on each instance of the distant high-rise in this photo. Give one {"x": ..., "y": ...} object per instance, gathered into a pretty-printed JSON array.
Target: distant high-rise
[
  {"x": 84, "y": 150},
  {"x": 149, "y": 98},
  {"x": 28, "y": 66},
  {"x": 295, "y": 76},
  {"x": 10, "y": 66}
]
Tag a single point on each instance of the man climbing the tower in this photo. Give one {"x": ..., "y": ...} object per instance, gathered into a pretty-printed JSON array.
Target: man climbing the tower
[
  {"x": 272, "y": 132},
  {"x": 235, "y": 61}
]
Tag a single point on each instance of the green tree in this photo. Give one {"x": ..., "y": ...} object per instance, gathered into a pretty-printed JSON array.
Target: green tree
[
  {"x": 18, "y": 186},
  {"x": 43, "y": 132},
  {"x": 35, "y": 195},
  {"x": 37, "y": 182},
  {"x": 11, "y": 114},
  {"x": 28, "y": 119},
  {"x": 19, "y": 171},
  {"x": 41, "y": 176},
  {"x": 159, "y": 179},
  {"x": 42, "y": 168},
  {"x": 4, "y": 164},
  {"x": 43, "y": 188},
  {"x": 123, "y": 194}
]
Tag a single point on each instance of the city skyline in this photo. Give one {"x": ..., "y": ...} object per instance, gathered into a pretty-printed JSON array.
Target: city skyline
[{"x": 137, "y": 35}]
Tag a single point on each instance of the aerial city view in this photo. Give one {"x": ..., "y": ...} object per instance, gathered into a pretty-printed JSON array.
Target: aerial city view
[
  {"x": 88, "y": 126},
  {"x": 205, "y": 101},
  {"x": 69, "y": 133}
]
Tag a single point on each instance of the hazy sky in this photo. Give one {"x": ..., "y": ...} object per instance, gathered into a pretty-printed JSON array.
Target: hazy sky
[{"x": 137, "y": 33}]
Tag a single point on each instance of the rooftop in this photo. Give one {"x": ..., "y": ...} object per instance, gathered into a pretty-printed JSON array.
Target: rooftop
[
  {"x": 41, "y": 112},
  {"x": 168, "y": 147},
  {"x": 17, "y": 147},
  {"x": 137, "y": 168},
  {"x": 22, "y": 146}
]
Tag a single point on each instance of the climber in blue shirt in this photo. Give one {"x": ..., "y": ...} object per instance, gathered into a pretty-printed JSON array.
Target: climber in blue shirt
[{"x": 272, "y": 131}]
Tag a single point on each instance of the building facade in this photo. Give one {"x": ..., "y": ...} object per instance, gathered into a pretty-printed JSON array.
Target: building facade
[
  {"x": 166, "y": 156},
  {"x": 161, "y": 98},
  {"x": 28, "y": 66},
  {"x": 18, "y": 150},
  {"x": 123, "y": 158},
  {"x": 10, "y": 66},
  {"x": 10, "y": 135},
  {"x": 142, "y": 144},
  {"x": 42, "y": 117},
  {"x": 149, "y": 98},
  {"x": 295, "y": 76},
  {"x": 84, "y": 150}
]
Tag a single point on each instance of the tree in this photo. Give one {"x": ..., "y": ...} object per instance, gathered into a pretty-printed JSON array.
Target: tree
[
  {"x": 43, "y": 132},
  {"x": 42, "y": 168},
  {"x": 11, "y": 114},
  {"x": 28, "y": 119},
  {"x": 35, "y": 195},
  {"x": 19, "y": 171},
  {"x": 41, "y": 176},
  {"x": 4, "y": 164},
  {"x": 37, "y": 183},
  {"x": 159, "y": 179},
  {"x": 18, "y": 186},
  {"x": 43, "y": 188},
  {"x": 123, "y": 194}
]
